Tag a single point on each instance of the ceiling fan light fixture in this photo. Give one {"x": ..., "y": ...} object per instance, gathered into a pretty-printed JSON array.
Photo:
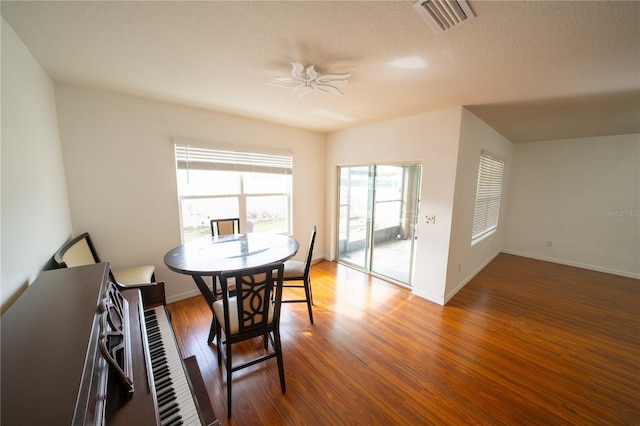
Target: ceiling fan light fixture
[
  {"x": 443, "y": 15},
  {"x": 306, "y": 80}
]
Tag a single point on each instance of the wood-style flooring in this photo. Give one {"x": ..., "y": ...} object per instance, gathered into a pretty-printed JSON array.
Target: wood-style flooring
[{"x": 525, "y": 342}]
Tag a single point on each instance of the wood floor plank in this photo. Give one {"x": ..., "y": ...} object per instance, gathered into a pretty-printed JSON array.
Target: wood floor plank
[{"x": 525, "y": 342}]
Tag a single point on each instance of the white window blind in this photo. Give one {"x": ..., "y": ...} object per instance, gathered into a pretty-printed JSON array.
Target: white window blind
[
  {"x": 489, "y": 189},
  {"x": 194, "y": 158}
]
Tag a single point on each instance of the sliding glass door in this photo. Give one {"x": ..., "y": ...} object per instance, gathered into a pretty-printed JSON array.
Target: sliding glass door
[
  {"x": 355, "y": 194},
  {"x": 377, "y": 218}
]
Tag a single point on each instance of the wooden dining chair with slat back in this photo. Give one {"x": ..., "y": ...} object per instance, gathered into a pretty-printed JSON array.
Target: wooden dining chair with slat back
[
  {"x": 297, "y": 271},
  {"x": 253, "y": 312}
]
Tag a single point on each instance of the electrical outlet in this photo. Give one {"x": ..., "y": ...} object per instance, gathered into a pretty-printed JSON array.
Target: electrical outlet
[{"x": 430, "y": 220}]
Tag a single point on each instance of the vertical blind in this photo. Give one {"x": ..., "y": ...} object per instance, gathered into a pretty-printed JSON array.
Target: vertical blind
[
  {"x": 489, "y": 189},
  {"x": 194, "y": 158}
]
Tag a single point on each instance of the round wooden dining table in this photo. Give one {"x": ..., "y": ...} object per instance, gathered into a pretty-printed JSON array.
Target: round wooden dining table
[
  {"x": 226, "y": 253},
  {"x": 211, "y": 256}
]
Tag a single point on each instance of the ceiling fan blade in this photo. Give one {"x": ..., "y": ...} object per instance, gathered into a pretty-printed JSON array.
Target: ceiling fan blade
[
  {"x": 327, "y": 88},
  {"x": 288, "y": 84},
  {"x": 297, "y": 70},
  {"x": 304, "y": 90},
  {"x": 325, "y": 78}
]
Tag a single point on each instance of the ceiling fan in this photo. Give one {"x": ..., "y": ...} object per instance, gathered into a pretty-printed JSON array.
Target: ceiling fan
[{"x": 307, "y": 80}]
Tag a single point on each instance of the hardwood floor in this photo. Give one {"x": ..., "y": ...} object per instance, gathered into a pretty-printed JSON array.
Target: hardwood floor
[{"x": 525, "y": 342}]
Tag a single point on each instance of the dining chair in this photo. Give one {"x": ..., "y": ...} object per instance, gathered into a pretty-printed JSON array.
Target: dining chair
[
  {"x": 253, "y": 312},
  {"x": 225, "y": 226},
  {"x": 296, "y": 271},
  {"x": 80, "y": 251},
  {"x": 221, "y": 227}
]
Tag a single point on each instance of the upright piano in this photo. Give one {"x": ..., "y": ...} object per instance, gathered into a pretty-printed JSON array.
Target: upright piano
[{"x": 78, "y": 350}]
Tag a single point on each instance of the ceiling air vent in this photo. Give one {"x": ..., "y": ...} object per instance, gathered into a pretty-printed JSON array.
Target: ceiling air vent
[{"x": 444, "y": 14}]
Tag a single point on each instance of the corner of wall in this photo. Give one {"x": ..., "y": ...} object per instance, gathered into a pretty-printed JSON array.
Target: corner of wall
[
  {"x": 465, "y": 260},
  {"x": 35, "y": 211}
]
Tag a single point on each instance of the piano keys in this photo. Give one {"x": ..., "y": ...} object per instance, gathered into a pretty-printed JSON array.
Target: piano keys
[
  {"x": 53, "y": 371},
  {"x": 175, "y": 402}
]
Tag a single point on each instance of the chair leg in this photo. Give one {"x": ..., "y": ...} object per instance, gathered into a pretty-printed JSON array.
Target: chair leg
[
  {"x": 278, "y": 348},
  {"x": 307, "y": 290},
  {"x": 229, "y": 363},
  {"x": 212, "y": 331},
  {"x": 218, "y": 341}
]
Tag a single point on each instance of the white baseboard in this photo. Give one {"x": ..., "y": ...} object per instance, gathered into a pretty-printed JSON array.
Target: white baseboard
[
  {"x": 469, "y": 278},
  {"x": 574, "y": 264},
  {"x": 181, "y": 296},
  {"x": 429, "y": 297}
]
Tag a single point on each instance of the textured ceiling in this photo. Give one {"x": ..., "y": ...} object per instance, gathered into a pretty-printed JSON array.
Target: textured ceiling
[{"x": 533, "y": 70}]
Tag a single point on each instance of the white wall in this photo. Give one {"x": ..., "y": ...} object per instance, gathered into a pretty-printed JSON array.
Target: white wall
[
  {"x": 431, "y": 139},
  {"x": 466, "y": 260},
  {"x": 35, "y": 215},
  {"x": 120, "y": 168},
  {"x": 583, "y": 196}
]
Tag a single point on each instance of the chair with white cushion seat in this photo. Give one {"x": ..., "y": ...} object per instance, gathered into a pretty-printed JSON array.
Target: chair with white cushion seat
[
  {"x": 253, "y": 312},
  {"x": 80, "y": 251},
  {"x": 221, "y": 227},
  {"x": 295, "y": 270},
  {"x": 135, "y": 275}
]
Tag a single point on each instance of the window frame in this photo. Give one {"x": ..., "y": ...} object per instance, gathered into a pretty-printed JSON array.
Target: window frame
[{"x": 241, "y": 161}]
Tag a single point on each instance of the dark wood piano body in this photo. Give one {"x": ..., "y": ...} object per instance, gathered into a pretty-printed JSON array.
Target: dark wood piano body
[{"x": 53, "y": 372}]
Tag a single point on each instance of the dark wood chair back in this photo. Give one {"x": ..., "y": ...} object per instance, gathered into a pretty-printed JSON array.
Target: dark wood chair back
[
  {"x": 78, "y": 251},
  {"x": 296, "y": 275},
  {"x": 225, "y": 226},
  {"x": 312, "y": 242},
  {"x": 253, "y": 312}
]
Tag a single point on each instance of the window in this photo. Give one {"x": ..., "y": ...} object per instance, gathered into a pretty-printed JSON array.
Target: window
[
  {"x": 219, "y": 184},
  {"x": 485, "y": 216}
]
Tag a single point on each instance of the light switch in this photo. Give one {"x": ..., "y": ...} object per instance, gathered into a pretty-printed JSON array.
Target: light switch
[{"x": 431, "y": 220}]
